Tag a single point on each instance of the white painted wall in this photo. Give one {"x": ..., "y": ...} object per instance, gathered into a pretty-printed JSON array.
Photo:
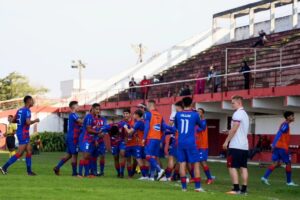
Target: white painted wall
[{"x": 270, "y": 124}]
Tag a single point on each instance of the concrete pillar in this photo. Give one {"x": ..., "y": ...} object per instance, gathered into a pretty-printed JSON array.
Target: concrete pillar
[
  {"x": 295, "y": 13},
  {"x": 272, "y": 17},
  {"x": 251, "y": 22},
  {"x": 232, "y": 27}
]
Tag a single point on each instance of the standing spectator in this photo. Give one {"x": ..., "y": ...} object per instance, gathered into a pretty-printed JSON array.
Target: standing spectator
[
  {"x": 262, "y": 39},
  {"x": 145, "y": 89},
  {"x": 245, "y": 69},
  {"x": 200, "y": 85},
  {"x": 132, "y": 89},
  {"x": 10, "y": 136},
  {"x": 213, "y": 79},
  {"x": 237, "y": 144},
  {"x": 185, "y": 91}
]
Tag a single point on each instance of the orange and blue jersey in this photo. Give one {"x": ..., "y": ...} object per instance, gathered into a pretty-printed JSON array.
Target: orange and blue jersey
[
  {"x": 23, "y": 128},
  {"x": 282, "y": 139},
  {"x": 139, "y": 128},
  {"x": 73, "y": 128},
  {"x": 153, "y": 125},
  {"x": 202, "y": 136},
  {"x": 89, "y": 120}
]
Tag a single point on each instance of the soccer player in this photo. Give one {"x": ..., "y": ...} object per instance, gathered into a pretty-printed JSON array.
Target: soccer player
[
  {"x": 137, "y": 132},
  {"x": 10, "y": 136},
  {"x": 116, "y": 144},
  {"x": 238, "y": 146},
  {"x": 74, "y": 125},
  {"x": 280, "y": 147},
  {"x": 171, "y": 148},
  {"x": 100, "y": 148},
  {"x": 154, "y": 127},
  {"x": 87, "y": 142},
  {"x": 130, "y": 142},
  {"x": 23, "y": 120},
  {"x": 202, "y": 145},
  {"x": 186, "y": 122}
]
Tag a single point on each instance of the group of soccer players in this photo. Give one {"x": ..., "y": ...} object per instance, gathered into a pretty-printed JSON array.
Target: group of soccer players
[{"x": 138, "y": 140}]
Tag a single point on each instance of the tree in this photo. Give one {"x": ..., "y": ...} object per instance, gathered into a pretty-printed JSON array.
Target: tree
[{"x": 16, "y": 85}]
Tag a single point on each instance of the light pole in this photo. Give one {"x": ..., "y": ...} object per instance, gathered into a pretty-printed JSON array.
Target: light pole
[{"x": 78, "y": 65}]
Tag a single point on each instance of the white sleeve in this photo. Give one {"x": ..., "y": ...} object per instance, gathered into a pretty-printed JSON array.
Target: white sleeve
[{"x": 237, "y": 117}]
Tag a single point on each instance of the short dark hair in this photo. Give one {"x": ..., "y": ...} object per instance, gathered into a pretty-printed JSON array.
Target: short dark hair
[
  {"x": 95, "y": 105},
  {"x": 10, "y": 116},
  {"x": 139, "y": 112},
  {"x": 202, "y": 110},
  {"x": 27, "y": 98},
  {"x": 126, "y": 110},
  {"x": 179, "y": 104},
  {"x": 152, "y": 101},
  {"x": 187, "y": 101},
  {"x": 114, "y": 130},
  {"x": 72, "y": 103},
  {"x": 286, "y": 114}
]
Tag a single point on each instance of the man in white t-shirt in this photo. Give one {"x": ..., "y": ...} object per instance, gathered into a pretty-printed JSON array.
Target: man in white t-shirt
[{"x": 237, "y": 144}]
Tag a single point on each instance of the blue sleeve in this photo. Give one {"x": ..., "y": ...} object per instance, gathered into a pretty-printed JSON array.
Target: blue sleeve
[
  {"x": 168, "y": 129},
  {"x": 106, "y": 128},
  {"x": 203, "y": 126},
  {"x": 147, "y": 118},
  {"x": 283, "y": 129},
  {"x": 198, "y": 121},
  {"x": 28, "y": 114},
  {"x": 89, "y": 121}
]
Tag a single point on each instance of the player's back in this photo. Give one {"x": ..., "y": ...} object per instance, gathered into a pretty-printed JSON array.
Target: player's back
[
  {"x": 185, "y": 123},
  {"x": 21, "y": 116}
]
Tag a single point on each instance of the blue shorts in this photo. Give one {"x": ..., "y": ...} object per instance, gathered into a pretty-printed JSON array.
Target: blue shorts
[
  {"x": 115, "y": 150},
  {"x": 100, "y": 149},
  {"x": 162, "y": 151},
  {"x": 189, "y": 155},
  {"x": 152, "y": 148},
  {"x": 72, "y": 148},
  {"x": 140, "y": 152},
  {"x": 173, "y": 151},
  {"x": 130, "y": 152},
  {"x": 281, "y": 155},
  {"x": 23, "y": 138},
  {"x": 203, "y": 154},
  {"x": 87, "y": 147}
]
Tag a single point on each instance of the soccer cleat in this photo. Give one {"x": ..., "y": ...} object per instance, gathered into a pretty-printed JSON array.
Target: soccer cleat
[
  {"x": 199, "y": 190},
  {"x": 100, "y": 174},
  {"x": 3, "y": 171},
  {"x": 292, "y": 184},
  {"x": 31, "y": 174},
  {"x": 56, "y": 171},
  {"x": 143, "y": 178},
  {"x": 244, "y": 193},
  {"x": 91, "y": 176},
  {"x": 151, "y": 179},
  {"x": 232, "y": 192},
  {"x": 265, "y": 181},
  {"x": 121, "y": 176},
  {"x": 209, "y": 181},
  {"x": 163, "y": 179},
  {"x": 184, "y": 190},
  {"x": 79, "y": 176},
  {"x": 161, "y": 173}
]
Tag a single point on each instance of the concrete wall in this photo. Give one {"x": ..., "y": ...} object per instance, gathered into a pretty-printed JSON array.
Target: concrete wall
[{"x": 270, "y": 124}]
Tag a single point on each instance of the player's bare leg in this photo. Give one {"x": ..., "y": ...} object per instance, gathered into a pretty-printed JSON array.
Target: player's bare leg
[
  {"x": 244, "y": 175},
  {"x": 235, "y": 181}
]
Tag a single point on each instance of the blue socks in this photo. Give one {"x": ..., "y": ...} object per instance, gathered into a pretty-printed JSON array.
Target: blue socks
[{"x": 11, "y": 161}]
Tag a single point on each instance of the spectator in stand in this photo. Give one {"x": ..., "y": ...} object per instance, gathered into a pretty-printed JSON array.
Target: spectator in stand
[
  {"x": 200, "y": 84},
  {"x": 185, "y": 91},
  {"x": 213, "y": 79},
  {"x": 262, "y": 39},
  {"x": 245, "y": 69},
  {"x": 132, "y": 89},
  {"x": 145, "y": 89}
]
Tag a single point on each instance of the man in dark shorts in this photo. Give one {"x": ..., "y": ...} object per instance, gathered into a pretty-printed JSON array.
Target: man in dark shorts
[{"x": 237, "y": 144}]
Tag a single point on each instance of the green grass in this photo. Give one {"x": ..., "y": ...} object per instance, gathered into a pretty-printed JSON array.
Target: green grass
[{"x": 17, "y": 185}]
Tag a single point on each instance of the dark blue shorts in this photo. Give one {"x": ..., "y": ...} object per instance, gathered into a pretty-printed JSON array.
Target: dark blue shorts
[
  {"x": 72, "y": 147},
  {"x": 281, "y": 155},
  {"x": 140, "y": 153},
  {"x": 189, "y": 155},
  {"x": 23, "y": 138},
  {"x": 152, "y": 148},
  {"x": 203, "y": 154},
  {"x": 130, "y": 151},
  {"x": 87, "y": 147}
]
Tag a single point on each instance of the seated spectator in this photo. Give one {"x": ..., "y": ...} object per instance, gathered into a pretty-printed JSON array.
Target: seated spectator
[
  {"x": 200, "y": 85},
  {"x": 132, "y": 89},
  {"x": 245, "y": 69},
  {"x": 185, "y": 91},
  {"x": 145, "y": 89},
  {"x": 262, "y": 39},
  {"x": 213, "y": 79}
]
